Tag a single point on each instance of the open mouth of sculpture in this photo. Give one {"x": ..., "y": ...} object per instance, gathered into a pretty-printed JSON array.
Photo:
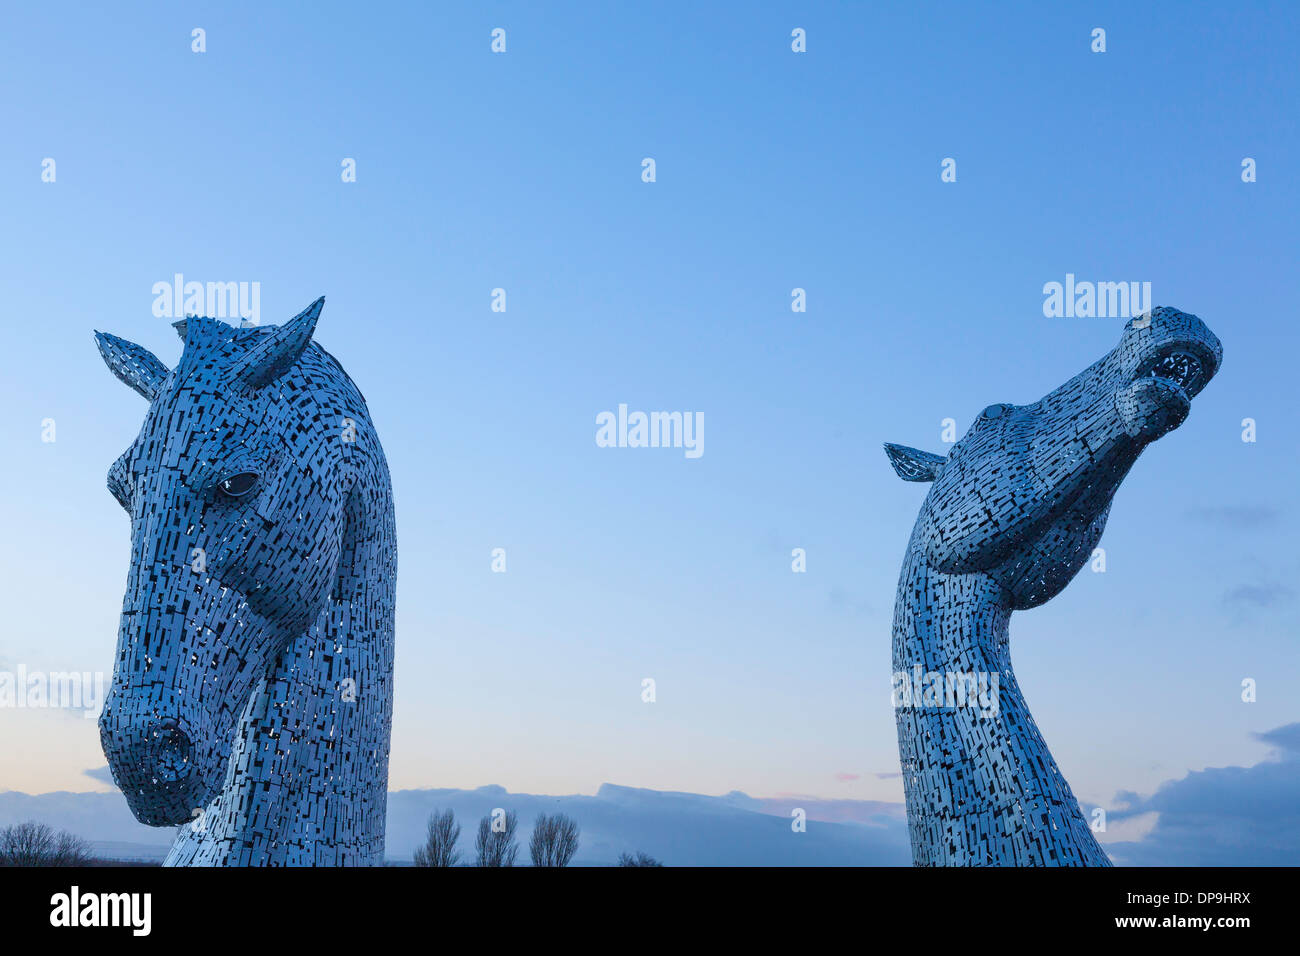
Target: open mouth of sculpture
[{"x": 1180, "y": 368}]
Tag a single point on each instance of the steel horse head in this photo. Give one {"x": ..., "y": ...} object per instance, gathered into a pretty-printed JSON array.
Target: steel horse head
[
  {"x": 252, "y": 689},
  {"x": 1013, "y": 513}
]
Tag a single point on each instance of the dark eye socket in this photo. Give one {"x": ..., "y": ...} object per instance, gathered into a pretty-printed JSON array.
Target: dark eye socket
[
  {"x": 236, "y": 486},
  {"x": 994, "y": 411}
]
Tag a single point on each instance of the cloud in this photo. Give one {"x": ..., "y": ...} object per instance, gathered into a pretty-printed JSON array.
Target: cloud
[
  {"x": 1243, "y": 517},
  {"x": 102, "y": 774},
  {"x": 1257, "y": 595},
  {"x": 880, "y": 813},
  {"x": 1286, "y": 739},
  {"x": 845, "y": 777},
  {"x": 1222, "y": 816}
]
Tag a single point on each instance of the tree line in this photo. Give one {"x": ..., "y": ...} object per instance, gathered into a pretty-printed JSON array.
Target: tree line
[
  {"x": 553, "y": 843},
  {"x": 35, "y": 844}
]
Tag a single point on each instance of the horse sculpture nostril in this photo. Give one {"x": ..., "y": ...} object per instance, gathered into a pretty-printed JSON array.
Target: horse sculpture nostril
[{"x": 172, "y": 751}]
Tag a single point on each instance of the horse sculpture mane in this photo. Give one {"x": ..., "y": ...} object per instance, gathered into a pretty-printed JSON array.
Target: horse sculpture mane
[
  {"x": 253, "y": 686},
  {"x": 1013, "y": 514}
]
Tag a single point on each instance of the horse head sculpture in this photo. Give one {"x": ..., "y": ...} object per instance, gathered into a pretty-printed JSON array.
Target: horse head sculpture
[
  {"x": 252, "y": 691},
  {"x": 1014, "y": 512}
]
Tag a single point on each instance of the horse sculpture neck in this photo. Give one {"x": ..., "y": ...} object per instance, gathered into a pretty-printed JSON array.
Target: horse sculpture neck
[
  {"x": 307, "y": 779},
  {"x": 981, "y": 786},
  {"x": 308, "y": 776}
]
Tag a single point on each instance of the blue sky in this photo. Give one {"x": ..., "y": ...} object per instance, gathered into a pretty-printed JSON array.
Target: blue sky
[{"x": 775, "y": 170}]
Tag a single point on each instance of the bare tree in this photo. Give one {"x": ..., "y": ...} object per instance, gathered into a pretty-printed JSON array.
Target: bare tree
[
  {"x": 554, "y": 841},
  {"x": 496, "y": 846},
  {"x": 26, "y": 844},
  {"x": 641, "y": 859},
  {"x": 440, "y": 844},
  {"x": 71, "y": 850},
  {"x": 35, "y": 844}
]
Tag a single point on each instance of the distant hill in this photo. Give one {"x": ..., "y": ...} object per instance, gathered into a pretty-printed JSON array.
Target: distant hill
[{"x": 680, "y": 829}]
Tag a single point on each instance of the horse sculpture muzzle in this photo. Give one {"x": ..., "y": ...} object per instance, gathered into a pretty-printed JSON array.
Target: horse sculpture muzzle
[
  {"x": 169, "y": 751},
  {"x": 1168, "y": 366}
]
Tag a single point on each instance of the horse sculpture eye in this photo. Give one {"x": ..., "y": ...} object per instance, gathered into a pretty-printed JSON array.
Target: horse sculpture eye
[{"x": 236, "y": 486}]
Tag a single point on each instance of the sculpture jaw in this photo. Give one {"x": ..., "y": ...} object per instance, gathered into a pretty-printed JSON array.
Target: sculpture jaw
[
  {"x": 1166, "y": 358},
  {"x": 1160, "y": 397},
  {"x": 316, "y": 796},
  {"x": 167, "y": 737}
]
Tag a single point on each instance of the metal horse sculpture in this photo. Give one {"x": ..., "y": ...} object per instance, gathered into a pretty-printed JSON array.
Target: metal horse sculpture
[
  {"x": 1014, "y": 512},
  {"x": 253, "y": 688}
]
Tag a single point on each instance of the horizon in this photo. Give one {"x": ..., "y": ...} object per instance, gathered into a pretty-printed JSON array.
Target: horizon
[{"x": 1236, "y": 814}]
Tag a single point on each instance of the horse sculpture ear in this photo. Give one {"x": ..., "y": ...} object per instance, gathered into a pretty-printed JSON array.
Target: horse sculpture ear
[
  {"x": 276, "y": 353},
  {"x": 912, "y": 464},
  {"x": 133, "y": 364}
]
